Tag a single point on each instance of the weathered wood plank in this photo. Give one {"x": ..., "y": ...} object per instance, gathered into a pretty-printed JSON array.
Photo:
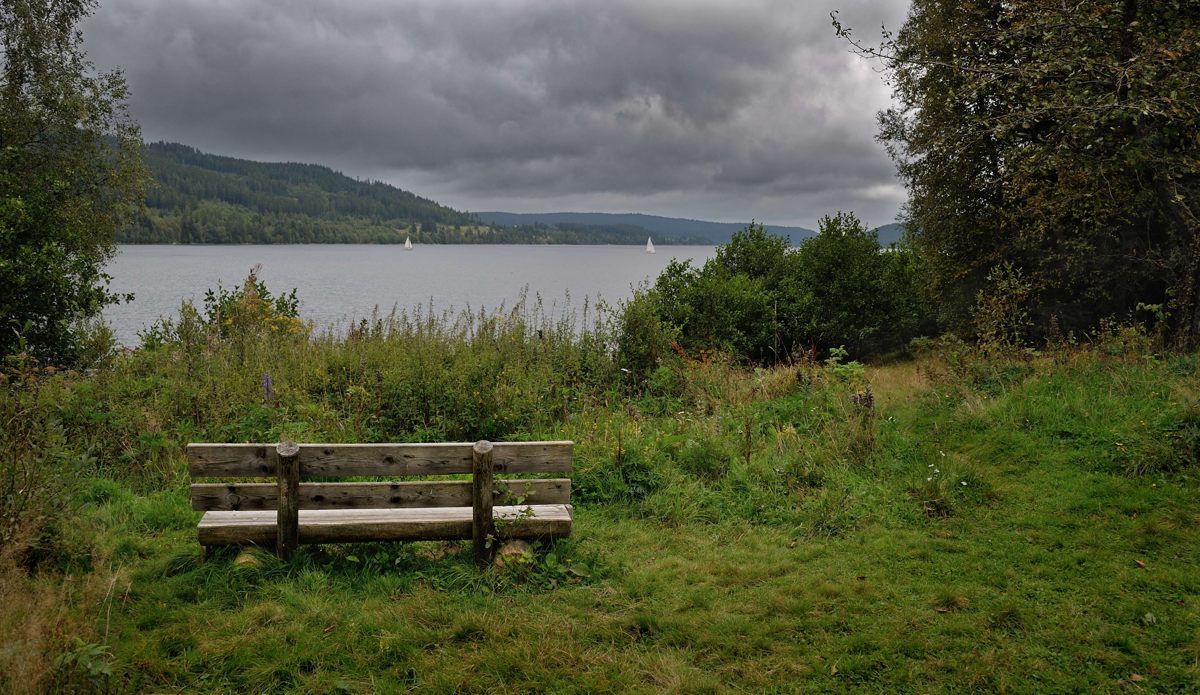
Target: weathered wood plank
[
  {"x": 385, "y": 495},
  {"x": 354, "y": 525},
  {"x": 287, "y": 532},
  {"x": 483, "y": 526},
  {"x": 339, "y": 460}
]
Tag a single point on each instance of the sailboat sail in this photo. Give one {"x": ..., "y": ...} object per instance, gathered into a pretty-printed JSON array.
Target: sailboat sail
[
  {"x": 407, "y": 244},
  {"x": 649, "y": 245}
]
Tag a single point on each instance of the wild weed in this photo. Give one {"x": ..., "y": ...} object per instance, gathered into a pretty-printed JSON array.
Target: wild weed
[
  {"x": 934, "y": 494},
  {"x": 86, "y": 667}
]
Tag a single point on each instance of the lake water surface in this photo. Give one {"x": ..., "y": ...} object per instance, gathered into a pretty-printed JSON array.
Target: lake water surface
[{"x": 337, "y": 283}]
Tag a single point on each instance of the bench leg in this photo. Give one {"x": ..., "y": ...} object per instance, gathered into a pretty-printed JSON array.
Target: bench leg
[
  {"x": 483, "y": 524},
  {"x": 288, "y": 522}
]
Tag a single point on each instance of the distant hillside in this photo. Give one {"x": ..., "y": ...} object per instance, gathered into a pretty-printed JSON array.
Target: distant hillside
[
  {"x": 711, "y": 232},
  {"x": 208, "y": 199},
  {"x": 201, "y": 198},
  {"x": 890, "y": 233}
]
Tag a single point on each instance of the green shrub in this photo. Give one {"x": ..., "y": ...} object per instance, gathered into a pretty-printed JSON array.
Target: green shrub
[
  {"x": 1002, "y": 310},
  {"x": 638, "y": 472},
  {"x": 762, "y": 300},
  {"x": 707, "y": 458},
  {"x": 86, "y": 667},
  {"x": 719, "y": 311},
  {"x": 844, "y": 290},
  {"x": 251, "y": 309},
  {"x": 644, "y": 339}
]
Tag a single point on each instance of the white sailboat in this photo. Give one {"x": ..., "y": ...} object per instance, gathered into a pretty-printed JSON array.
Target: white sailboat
[
  {"x": 407, "y": 244},
  {"x": 649, "y": 245}
]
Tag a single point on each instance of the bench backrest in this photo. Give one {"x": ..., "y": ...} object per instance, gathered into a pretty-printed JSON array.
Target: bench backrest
[
  {"x": 375, "y": 460},
  {"x": 291, "y": 463}
]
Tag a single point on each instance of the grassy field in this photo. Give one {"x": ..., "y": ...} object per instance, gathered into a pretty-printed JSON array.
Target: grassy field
[{"x": 942, "y": 524}]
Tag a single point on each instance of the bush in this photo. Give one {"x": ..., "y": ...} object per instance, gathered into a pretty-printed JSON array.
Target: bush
[
  {"x": 716, "y": 310},
  {"x": 836, "y": 294},
  {"x": 644, "y": 339},
  {"x": 36, "y": 465},
  {"x": 1001, "y": 310},
  {"x": 251, "y": 309},
  {"x": 764, "y": 301},
  {"x": 708, "y": 458}
]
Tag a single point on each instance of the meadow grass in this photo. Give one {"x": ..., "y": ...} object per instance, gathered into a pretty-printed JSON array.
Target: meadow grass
[{"x": 1019, "y": 526}]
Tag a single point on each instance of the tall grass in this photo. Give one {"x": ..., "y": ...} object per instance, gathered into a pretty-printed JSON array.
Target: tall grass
[{"x": 421, "y": 376}]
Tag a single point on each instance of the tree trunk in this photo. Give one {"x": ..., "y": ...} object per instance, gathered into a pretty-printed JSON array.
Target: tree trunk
[
  {"x": 1186, "y": 334},
  {"x": 1185, "y": 307}
]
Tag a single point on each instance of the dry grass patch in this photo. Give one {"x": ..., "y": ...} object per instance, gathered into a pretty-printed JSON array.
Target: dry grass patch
[
  {"x": 898, "y": 382},
  {"x": 43, "y": 617}
]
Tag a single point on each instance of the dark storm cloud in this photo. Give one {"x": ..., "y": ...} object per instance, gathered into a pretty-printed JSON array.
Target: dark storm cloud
[{"x": 722, "y": 110}]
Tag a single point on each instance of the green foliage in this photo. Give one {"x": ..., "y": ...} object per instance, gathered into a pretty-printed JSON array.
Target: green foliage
[
  {"x": 243, "y": 368},
  {"x": 644, "y": 339},
  {"x": 38, "y": 463},
  {"x": 87, "y": 667},
  {"x": 70, "y": 176},
  {"x": 1060, "y": 139},
  {"x": 708, "y": 459},
  {"x": 979, "y": 497},
  {"x": 761, "y": 299},
  {"x": 716, "y": 311},
  {"x": 851, "y": 372},
  {"x": 838, "y": 294},
  {"x": 251, "y": 308},
  {"x": 1001, "y": 310}
]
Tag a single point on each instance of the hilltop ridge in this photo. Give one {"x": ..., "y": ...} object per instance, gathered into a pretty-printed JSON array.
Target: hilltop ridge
[{"x": 203, "y": 198}]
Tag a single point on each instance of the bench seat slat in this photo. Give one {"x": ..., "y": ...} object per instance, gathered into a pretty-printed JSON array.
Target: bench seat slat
[
  {"x": 354, "y": 525},
  {"x": 446, "y": 493},
  {"x": 340, "y": 460}
]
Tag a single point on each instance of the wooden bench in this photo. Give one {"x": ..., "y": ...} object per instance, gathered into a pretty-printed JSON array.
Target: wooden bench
[{"x": 287, "y": 512}]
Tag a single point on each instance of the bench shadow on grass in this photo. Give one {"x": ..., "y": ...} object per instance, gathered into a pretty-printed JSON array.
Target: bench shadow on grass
[{"x": 387, "y": 568}]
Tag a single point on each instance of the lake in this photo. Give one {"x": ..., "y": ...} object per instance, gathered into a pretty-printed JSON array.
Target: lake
[{"x": 338, "y": 283}]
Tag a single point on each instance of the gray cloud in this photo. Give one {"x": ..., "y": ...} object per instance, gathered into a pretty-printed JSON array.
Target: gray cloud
[{"x": 701, "y": 108}]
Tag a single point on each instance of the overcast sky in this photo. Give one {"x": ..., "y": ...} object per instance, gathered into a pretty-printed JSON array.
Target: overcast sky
[{"x": 710, "y": 109}]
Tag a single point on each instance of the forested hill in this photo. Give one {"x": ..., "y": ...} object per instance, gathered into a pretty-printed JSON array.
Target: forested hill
[
  {"x": 711, "y": 232},
  {"x": 201, "y": 198}
]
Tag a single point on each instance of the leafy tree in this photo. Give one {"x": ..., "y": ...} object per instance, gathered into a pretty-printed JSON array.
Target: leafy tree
[
  {"x": 1060, "y": 140},
  {"x": 752, "y": 251},
  {"x": 714, "y": 309},
  {"x": 910, "y": 312},
  {"x": 70, "y": 176},
  {"x": 835, "y": 293}
]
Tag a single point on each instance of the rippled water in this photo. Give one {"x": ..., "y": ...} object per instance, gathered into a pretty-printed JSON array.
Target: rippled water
[{"x": 342, "y": 282}]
